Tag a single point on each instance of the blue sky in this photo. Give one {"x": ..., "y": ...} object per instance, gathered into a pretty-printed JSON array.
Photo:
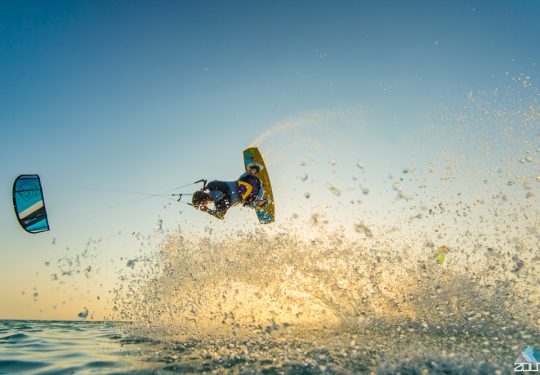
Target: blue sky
[{"x": 146, "y": 96}]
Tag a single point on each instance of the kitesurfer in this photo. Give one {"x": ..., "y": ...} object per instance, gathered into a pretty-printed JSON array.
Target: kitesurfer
[{"x": 247, "y": 190}]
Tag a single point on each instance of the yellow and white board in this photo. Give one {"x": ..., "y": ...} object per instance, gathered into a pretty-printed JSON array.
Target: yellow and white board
[{"x": 265, "y": 214}]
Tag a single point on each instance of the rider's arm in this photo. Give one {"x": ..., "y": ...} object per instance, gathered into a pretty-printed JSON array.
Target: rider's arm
[{"x": 219, "y": 214}]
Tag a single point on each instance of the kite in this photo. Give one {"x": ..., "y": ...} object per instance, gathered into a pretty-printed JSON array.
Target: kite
[{"x": 29, "y": 204}]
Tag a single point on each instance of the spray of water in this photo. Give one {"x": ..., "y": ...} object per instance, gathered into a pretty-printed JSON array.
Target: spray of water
[{"x": 454, "y": 266}]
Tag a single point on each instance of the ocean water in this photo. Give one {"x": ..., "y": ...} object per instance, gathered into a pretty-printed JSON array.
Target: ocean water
[
  {"x": 64, "y": 347},
  {"x": 43, "y": 347}
]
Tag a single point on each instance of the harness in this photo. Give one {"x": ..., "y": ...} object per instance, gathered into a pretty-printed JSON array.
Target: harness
[
  {"x": 245, "y": 189},
  {"x": 249, "y": 188}
]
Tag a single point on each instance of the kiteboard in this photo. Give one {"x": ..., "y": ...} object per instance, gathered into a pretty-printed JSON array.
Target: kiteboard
[{"x": 265, "y": 214}]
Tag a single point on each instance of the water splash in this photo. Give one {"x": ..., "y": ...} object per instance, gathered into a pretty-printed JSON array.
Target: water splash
[{"x": 443, "y": 271}]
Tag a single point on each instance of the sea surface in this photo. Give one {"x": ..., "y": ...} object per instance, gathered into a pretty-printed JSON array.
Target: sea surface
[
  {"x": 67, "y": 347},
  {"x": 64, "y": 347}
]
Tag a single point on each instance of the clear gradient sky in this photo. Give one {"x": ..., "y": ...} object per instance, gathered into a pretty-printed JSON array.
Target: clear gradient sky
[{"x": 150, "y": 95}]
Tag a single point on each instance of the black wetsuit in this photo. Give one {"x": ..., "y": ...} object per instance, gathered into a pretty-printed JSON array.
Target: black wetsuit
[{"x": 225, "y": 194}]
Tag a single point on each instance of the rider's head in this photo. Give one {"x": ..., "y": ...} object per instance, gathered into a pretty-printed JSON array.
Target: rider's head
[{"x": 200, "y": 198}]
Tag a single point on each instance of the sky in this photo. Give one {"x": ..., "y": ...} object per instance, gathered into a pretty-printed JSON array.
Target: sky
[{"x": 141, "y": 96}]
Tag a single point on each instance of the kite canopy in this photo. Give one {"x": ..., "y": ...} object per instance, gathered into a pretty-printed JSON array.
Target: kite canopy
[{"x": 29, "y": 204}]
